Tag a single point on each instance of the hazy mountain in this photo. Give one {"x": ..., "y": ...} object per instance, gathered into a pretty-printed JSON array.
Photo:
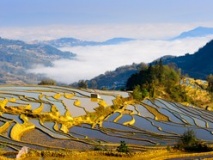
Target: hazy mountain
[
  {"x": 115, "y": 79},
  {"x": 71, "y": 42},
  {"x": 17, "y": 56},
  {"x": 197, "y": 65},
  {"x": 196, "y": 32}
]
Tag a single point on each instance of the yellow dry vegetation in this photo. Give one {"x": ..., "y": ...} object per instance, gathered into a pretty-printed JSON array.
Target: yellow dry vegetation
[
  {"x": 12, "y": 99},
  {"x": 39, "y": 109},
  {"x": 117, "y": 118},
  {"x": 69, "y": 95},
  {"x": 196, "y": 90},
  {"x": 54, "y": 112},
  {"x": 64, "y": 128},
  {"x": 28, "y": 106},
  {"x": 158, "y": 116},
  {"x": 57, "y": 96},
  {"x": 5, "y": 158},
  {"x": 40, "y": 96},
  {"x": 5, "y": 126},
  {"x": 55, "y": 127},
  {"x": 67, "y": 114},
  {"x": 24, "y": 118},
  {"x": 19, "y": 129},
  {"x": 77, "y": 103},
  {"x": 131, "y": 122},
  {"x": 102, "y": 103},
  {"x": 3, "y": 103},
  {"x": 200, "y": 97},
  {"x": 155, "y": 154}
]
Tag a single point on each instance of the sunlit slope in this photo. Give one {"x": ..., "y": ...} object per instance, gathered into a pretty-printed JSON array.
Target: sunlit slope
[{"x": 44, "y": 117}]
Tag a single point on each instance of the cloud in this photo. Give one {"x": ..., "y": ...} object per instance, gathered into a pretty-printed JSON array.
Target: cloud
[
  {"x": 94, "y": 60},
  {"x": 99, "y": 32}
]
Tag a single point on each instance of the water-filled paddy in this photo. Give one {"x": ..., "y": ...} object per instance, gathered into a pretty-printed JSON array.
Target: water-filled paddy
[{"x": 74, "y": 114}]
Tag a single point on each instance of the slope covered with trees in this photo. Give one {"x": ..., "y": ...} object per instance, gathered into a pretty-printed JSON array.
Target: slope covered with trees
[
  {"x": 115, "y": 79},
  {"x": 166, "y": 81},
  {"x": 157, "y": 80}
]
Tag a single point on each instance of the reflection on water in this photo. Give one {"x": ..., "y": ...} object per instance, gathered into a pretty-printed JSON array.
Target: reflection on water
[{"x": 146, "y": 130}]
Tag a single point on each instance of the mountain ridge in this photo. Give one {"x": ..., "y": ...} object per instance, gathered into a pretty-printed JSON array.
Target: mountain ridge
[
  {"x": 196, "y": 32},
  {"x": 197, "y": 65},
  {"x": 72, "y": 42},
  {"x": 17, "y": 56}
]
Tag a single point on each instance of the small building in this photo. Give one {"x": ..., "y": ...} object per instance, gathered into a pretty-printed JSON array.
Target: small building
[{"x": 95, "y": 95}]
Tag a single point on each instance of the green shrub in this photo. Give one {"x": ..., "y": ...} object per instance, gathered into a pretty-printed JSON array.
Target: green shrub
[
  {"x": 47, "y": 82},
  {"x": 99, "y": 148},
  {"x": 123, "y": 147},
  {"x": 189, "y": 142}
]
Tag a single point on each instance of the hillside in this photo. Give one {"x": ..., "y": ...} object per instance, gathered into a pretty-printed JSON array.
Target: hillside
[
  {"x": 55, "y": 121},
  {"x": 115, "y": 79},
  {"x": 17, "y": 56},
  {"x": 197, "y": 65}
]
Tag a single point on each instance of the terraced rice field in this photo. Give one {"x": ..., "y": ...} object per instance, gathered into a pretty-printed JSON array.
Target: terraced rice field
[{"x": 65, "y": 118}]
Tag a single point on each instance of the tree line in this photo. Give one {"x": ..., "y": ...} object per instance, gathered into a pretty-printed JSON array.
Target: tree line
[{"x": 157, "y": 80}]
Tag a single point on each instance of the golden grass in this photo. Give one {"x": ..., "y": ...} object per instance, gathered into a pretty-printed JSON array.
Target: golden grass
[
  {"x": 131, "y": 122},
  {"x": 158, "y": 116},
  {"x": 5, "y": 126},
  {"x": 77, "y": 103},
  {"x": 3, "y": 104},
  {"x": 55, "y": 127},
  {"x": 69, "y": 95},
  {"x": 19, "y": 129},
  {"x": 57, "y": 96},
  {"x": 161, "y": 154},
  {"x": 64, "y": 128},
  {"x": 5, "y": 158},
  {"x": 102, "y": 103},
  {"x": 39, "y": 109},
  {"x": 12, "y": 100},
  {"x": 117, "y": 118}
]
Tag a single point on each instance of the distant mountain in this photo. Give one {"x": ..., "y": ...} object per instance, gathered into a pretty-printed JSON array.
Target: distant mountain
[
  {"x": 115, "y": 79},
  {"x": 197, "y": 32},
  {"x": 72, "y": 42},
  {"x": 114, "y": 41},
  {"x": 17, "y": 56},
  {"x": 197, "y": 65}
]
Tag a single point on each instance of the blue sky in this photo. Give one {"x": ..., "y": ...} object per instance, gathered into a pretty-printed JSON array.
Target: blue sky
[
  {"x": 101, "y": 19},
  {"x": 84, "y": 12},
  {"x": 151, "y": 22}
]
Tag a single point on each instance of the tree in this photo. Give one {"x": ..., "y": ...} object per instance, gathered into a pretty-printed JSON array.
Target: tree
[
  {"x": 155, "y": 81},
  {"x": 94, "y": 84},
  {"x": 210, "y": 83},
  {"x": 82, "y": 84},
  {"x": 189, "y": 142},
  {"x": 137, "y": 94},
  {"x": 47, "y": 82},
  {"x": 123, "y": 147}
]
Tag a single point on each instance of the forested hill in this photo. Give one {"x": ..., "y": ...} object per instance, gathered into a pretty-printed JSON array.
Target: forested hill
[
  {"x": 164, "y": 81},
  {"x": 197, "y": 65},
  {"x": 115, "y": 79}
]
